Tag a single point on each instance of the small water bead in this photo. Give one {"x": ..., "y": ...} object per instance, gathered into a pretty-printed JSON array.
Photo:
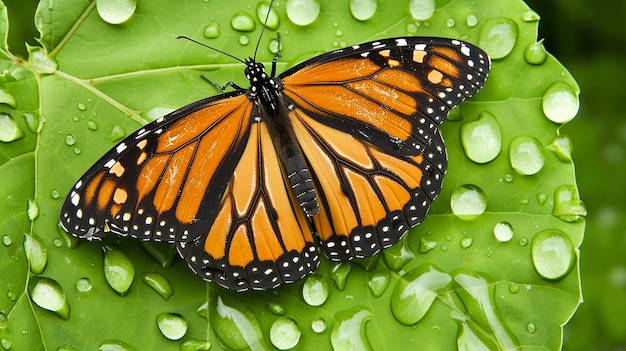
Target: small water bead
[
  {"x": 274, "y": 46},
  {"x": 503, "y": 232},
  {"x": 562, "y": 147},
  {"x": 212, "y": 30},
  {"x": 11, "y": 296},
  {"x": 378, "y": 282},
  {"x": 567, "y": 205},
  {"x": 560, "y": 103},
  {"x": 318, "y": 325},
  {"x": 339, "y": 272},
  {"x": 117, "y": 133},
  {"x": 466, "y": 242},
  {"x": 302, "y": 12},
  {"x": 195, "y": 345},
  {"x": 32, "y": 121},
  {"x": 6, "y": 240},
  {"x": 49, "y": 295},
  {"x": 36, "y": 253},
  {"x": 70, "y": 139},
  {"x": 348, "y": 330},
  {"x": 57, "y": 242},
  {"x": 284, "y": 333},
  {"x": 482, "y": 139},
  {"x": 531, "y": 328},
  {"x": 75, "y": 118},
  {"x": 244, "y": 40},
  {"x": 4, "y": 321},
  {"x": 92, "y": 125},
  {"x": 81, "y": 106},
  {"x": 422, "y": 10},
  {"x": 513, "y": 288},
  {"x": 118, "y": 270},
  {"x": 450, "y": 22},
  {"x": 158, "y": 283},
  {"x": 276, "y": 308},
  {"x": 542, "y": 198},
  {"x": 116, "y": 11},
  {"x": 552, "y": 254},
  {"x": 5, "y": 343},
  {"x": 471, "y": 20},
  {"x": 426, "y": 245},
  {"x": 242, "y": 22},
  {"x": 468, "y": 202},
  {"x": 54, "y": 193},
  {"x": 315, "y": 290},
  {"x": 9, "y": 130},
  {"x": 530, "y": 16},
  {"x": 273, "y": 20},
  {"x": 84, "y": 285},
  {"x": 172, "y": 325},
  {"x": 32, "y": 210},
  {"x": 535, "y": 53},
  {"x": 363, "y": 10},
  {"x": 415, "y": 293},
  {"x": 411, "y": 28},
  {"x": 498, "y": 37},
  {"x": 523, "y": 241},
  {"x": 527, "y": 155}
]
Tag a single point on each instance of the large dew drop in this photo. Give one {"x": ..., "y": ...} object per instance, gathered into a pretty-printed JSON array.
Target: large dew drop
[
  {"x": 36, "y": 253},
  {"x": 481, "y": 139},
  {"x": 498, "y": 37},
  {"x": 315, "y": 290},
  {"x": 302, "y": 12},
  {"x": 116, "y": 11},
  {"x": 262, "y": 9},
  {"x": 527, "y": 155},
  {"x": 285, "y": 333},
  {"x": 49, "y": 295},
  {"x": 118, "y": 270},
  {"x": 9, "y": 130},
  {"x": 560, "y": 103},
  {"x": 553, "y": 254},
  {"x": 159, "y": 283},
  {"x": 242, "y": 22},
  {"x": 363, "y": 10},
  {"x": 468, "y": 202},
  {"x": 422, "y": 10},
  {"x": 567, "y": 205},
  {"x": 236, "y": 327},
  {"x": 348, "y": 331},
  {"x": 172, "y": 325}
]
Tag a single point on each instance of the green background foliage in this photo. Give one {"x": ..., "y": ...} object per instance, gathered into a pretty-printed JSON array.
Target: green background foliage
[{"x": 120, "y": 73}]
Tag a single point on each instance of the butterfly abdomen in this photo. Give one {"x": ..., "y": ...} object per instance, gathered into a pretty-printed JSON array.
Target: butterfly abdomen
[{"x": 301, "y": 183}]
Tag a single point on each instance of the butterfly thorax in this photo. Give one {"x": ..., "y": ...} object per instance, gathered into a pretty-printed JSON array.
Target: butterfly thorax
[{"x": 264, "y": 89}]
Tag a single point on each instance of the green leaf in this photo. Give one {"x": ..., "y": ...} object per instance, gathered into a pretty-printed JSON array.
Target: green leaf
[{"x": 92, "y": 82}]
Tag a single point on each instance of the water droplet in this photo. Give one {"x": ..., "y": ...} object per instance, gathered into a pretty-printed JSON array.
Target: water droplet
[
  {"x": 498, "y": 37},
  {"x": 195, "y": 345},
  {"x": 508, "y": 177},
  {"x": 338, "y": 33},
  {"x": 411, "y": 28},
  {"x": 468, "y": 340},
  {"x": 503, "y": 231},
  {"x": 32, "y": 121},
  {"x": 81, "y": 106},
  {"x": 159, "y": 283},
  {"x": 92, "y": 125},
  {"x": 273, "y": 20},
  {"x": 513, "y": 288},
  {"x": 5, "y": 343},
  {"x": 532, "y": 328},
  {"x": 530, "y": 16},
  {"x": 348, "y": 330},
  {"x": 274, "y": 46},
  {"x": 481, "y": 139},
  {"x": 523, "y": 241},
  {"x": 378, "y": 282},
  {"x": 9, "y": 130},
  {"x": 466, "y": 242},
  {"x": 339, "y": 272},
  {"x": 318, "y": 325},
  {"x": 315, "y": 290},
  {"x": 450, "y": 22},
  {"x": 4, "y": 321},
  {"x": 117, "y": 133},
  {"x": 70, "y": 139},
  {"x": 415, "y": 293},
  {"x": 527, "y": 155},
  {"x": 560, "y": 103},
  {"x": 115, "y": 345},
  {"x": 477, "y": 293},
  {"x": 542, "y": 198},
  {"x": 553, "y": 254},
  {"x": 6, "y": 97},
  {"x": 468, "y": 201},
  {"x": 236, "y": 327},
  {"x": 116, "y": 11},
  {"x": 57, "y": 242},
  {"x": 244, "y": 40},
  {"x": 471, "y": 20},
  {"x": 284, "y": 333},
  {"x": 11, "y": 296},
  {"x": 32, "y": 210},
  {"x": 172, "y": 325},
  {"x": 118, "y": 270},
  {"x": 36, "y": 253},
  {"x": 83, "y": 285},
  {"x": 242, "y": 22},
  {"x": 535, "y": 53},
  {"x": 398, "y": 255},
  {"x": 49, "y": 295},
  {"x": 54, "y": 193},
  {"x": 302, "y": 12},
  {"x": 363, "y": 10},
  {"x": 567, "y": 205},
  {"x": 422, "y": 10},
  {"x": 276, "y": 308},
  {"x": 212, "y": 30},
  {"x": 426, "y": 245},
  {"x": 6, "y": 240},
  {"x": 562, "y": 147}
]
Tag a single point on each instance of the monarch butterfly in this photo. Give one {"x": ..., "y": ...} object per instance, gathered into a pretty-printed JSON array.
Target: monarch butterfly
[{"x": 344, "y": 145}]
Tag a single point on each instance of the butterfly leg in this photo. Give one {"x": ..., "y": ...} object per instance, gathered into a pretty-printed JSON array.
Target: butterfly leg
[{"x": 222, "y": 87}]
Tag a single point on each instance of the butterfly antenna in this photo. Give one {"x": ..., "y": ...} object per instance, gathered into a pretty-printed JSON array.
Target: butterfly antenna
[
  {"x": 263, "y": 29},
  {"x": 210, "y": 47}
]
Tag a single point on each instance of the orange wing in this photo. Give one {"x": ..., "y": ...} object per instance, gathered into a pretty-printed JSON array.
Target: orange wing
[
  {"x": 260, "y": 238},
  {"x": 164, "y": 181}
]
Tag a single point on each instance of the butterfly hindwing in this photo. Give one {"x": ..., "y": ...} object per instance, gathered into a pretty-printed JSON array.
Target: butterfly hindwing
[
  {"x": 260, "y": 238},
  {"x": 158, "y": 183}
]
